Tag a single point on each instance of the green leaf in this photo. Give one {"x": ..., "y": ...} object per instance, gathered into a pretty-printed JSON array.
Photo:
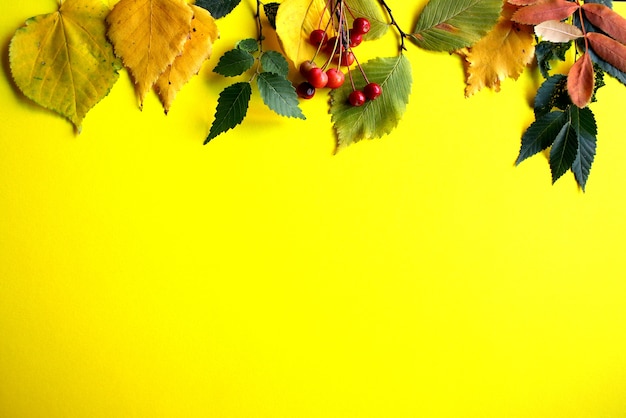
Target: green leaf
[
  {"x": 585, "y": 126},
  {"x": 271, "y": 9},
  {"x": 552, "y": 93},
  {"x": 546, "y": 52},
  {"x": 376, "y": 117},
  {"x": 448, "y": 25},
  {"x": 250, "y": 45},
  {"x": 541, "y": 134},
  {"x": 279, "y": 95},
  {"x": 564, "y": 149},
  {"x": 274, "y": 62},
  {"x": 218, "y": 8},
  {"x": 371, "y": 10},
  {"x": 232, "y": 106},
  {"x": 234, "y": 62}
]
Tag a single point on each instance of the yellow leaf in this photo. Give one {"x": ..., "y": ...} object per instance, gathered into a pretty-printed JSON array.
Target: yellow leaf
[
  {"x": 148, "y": 35},
  {"x": 503, "y": 52},
  {"x": 197, "y": 50},
  {"x": 63, "y": 61},
  {"x": 295, "y": 21}
]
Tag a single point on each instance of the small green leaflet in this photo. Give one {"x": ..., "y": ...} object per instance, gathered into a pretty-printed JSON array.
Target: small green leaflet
[
  {"x": 218, "y": 8},
  {"x": 376, "y": 117},
  {"x": 585, "y": 125},
  {"x": 274, "y": 62},
  {"x": 546, "y": 52},
  {"x": 234, "y": 62},
  {"x": 448, "y": 25},
  {"x": 248, "y": 44},
  {"x": 552, "y": 93},
  {"x": 279, "y": 95},
  {"x": 232, "y": 106},
  {"x": 563, "y": 151}
]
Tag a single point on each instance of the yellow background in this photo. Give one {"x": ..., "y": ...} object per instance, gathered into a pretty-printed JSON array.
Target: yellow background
[{"x": 420, "y": 275}]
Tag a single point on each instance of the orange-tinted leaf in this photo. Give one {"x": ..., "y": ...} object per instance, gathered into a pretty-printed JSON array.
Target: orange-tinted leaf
[
  {"x": 504, "y": 52},
  {"x": 606, "y": 19},
  {"x": 197, "y": 50},
  {"x": 148, "y": 35},
  {"x": 608, "y": 49},
  {"x": 580, "y": 81},
  {"x": 540, "y": 12},
  {"x": 524, "y": 2}
]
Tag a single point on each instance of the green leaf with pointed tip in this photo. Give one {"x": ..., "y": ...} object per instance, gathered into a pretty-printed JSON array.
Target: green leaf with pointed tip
[
  {"x": 448, "y": 25},
  {"x": 552, "y": 93},
  {"x": 274, "y": 62},
  {"x": 279, "y": 95},
  {"x": 63, "y": 60},
  {"x": 232, "y": 106},
  {"x": 376, "y": 117},
  {"x": 234, "y": 62},
  {"x": 218, "y": 8},
  {"x": 564, "y": 149},
  {"x": 541, "y": 134},
  {"x": 249, "y": 45},
  {"x": 585, "y": 126}
]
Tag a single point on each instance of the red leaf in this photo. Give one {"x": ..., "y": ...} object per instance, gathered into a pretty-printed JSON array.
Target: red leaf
[
  {"x": 608, "y": 49},
  {"x": 580, "y": 81},
  {"x": 524, "y": 2},
  {"x": 606, "y": 19},
  {"x": 540, "y": 12}
]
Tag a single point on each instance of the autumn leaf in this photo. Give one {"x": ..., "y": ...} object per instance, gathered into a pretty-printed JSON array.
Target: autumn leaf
[
  {"x": 449, "y": 25},
  {"x": 556, "y": 31},
  {"x": 63, "y": 61},
  {"x": 196, "y": 50},
  {"x": 515, "y": 50},
  {"x": 549, "y": 10},
  {"x": 148, "y": 35},
  {"x": 607, "y": 20},
  {"x": 608, "y": 49},
  {"x": 580, "y": 81},
  {"x": 376, "y": 117}
]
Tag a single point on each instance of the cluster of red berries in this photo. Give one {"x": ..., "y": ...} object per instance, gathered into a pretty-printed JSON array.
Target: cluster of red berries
[{"x": 339, "y": 50}]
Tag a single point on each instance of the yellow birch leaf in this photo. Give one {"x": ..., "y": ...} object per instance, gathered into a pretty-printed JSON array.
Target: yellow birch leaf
[
  {"x": 503, "y": 52},
  {"x": 197, "y": 50},
  {"x": 63, "y": 61},
  {"x": 148, "y": 35},
  {"x": 295, "y": 21}
]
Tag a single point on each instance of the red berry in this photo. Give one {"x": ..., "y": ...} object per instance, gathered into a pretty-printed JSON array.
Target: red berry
[
  {"x": 306, "y": 67},
  {"x": 372, "y": 91},
  {"x": 335, "y": 78},
  {"x": 332, "y": 46},
  {"x": 317, "y": 77},
  {"x": 318, "y": 37},
  {"x": 361, "y": 25},
  {"x": 357, "y": 98},
  {"x": 355, "y": 39},
  {"x": 347, "y": 59},
  {"x": 305, "y": 90}
]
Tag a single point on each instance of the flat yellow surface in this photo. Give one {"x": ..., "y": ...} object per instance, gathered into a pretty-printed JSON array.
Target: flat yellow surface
[{"x": 419, "y": 275}]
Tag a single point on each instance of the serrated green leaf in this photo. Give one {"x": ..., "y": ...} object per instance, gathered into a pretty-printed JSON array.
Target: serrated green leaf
[
  {"x": 585, "y": 126},
  {"x": 234, "y": 62},
  {"x": 541, "y": 134},
  {"x": 250, "y": 45},
  {"x": 448, "y": 25},
  {"x": 546, "y": 52},
  {"x": 232, "y": 106},
  {"x": 274, "y": 62},
  {"x": 218, "y": 8},
  {"x": 279, "y": 95},
  {"x": 371, "y": 10},
  {"x": 376, "y": 117},
  {"x": 271, "y": 9},
  {"x": 552, "y": 93},
  {"x": 564, "y": 150}
]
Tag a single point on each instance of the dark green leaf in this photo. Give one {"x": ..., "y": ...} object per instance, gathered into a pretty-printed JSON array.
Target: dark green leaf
[
  {"x": 270, "y": 10},
  {"x": 546, "y": 52},
  {"x": 274, "y": 62},
  {"x": 232, "y": 106},
  {"x": 564, "y": 149},
  {"x": 218, "y": 8},
  {"x": 279, "y": 95},
  {"x": 541, "y": 134},
  {"x": 551, "y": 94},
  {"x": 376, "y": 117},
  {"x": 234, "y": 62},
  {"x": 584, "y": 124},
  {"x": 250, "y": 45},
  {"x": 448, "y": 25}
]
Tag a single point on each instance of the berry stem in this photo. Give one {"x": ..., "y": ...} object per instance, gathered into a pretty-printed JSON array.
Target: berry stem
[{"x": 403, "y": 34}]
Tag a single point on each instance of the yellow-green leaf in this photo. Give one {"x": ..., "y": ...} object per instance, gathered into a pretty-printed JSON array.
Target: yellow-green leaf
[
  {"x": 197, "y": 50},
  {"x": 148, "y": 35},
  {"x": 63, "y": 61}
]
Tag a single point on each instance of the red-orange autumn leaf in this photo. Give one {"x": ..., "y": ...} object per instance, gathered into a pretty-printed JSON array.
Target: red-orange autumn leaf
[
  {"x": 608, "y": 49},
  {"x": 515, "y": 50},
  {"x": 606, "y": 19},
  {"x": 540, "y": 12},
  {"x": 580, "y": 81},
  {"x": 524, "y": 2}
]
